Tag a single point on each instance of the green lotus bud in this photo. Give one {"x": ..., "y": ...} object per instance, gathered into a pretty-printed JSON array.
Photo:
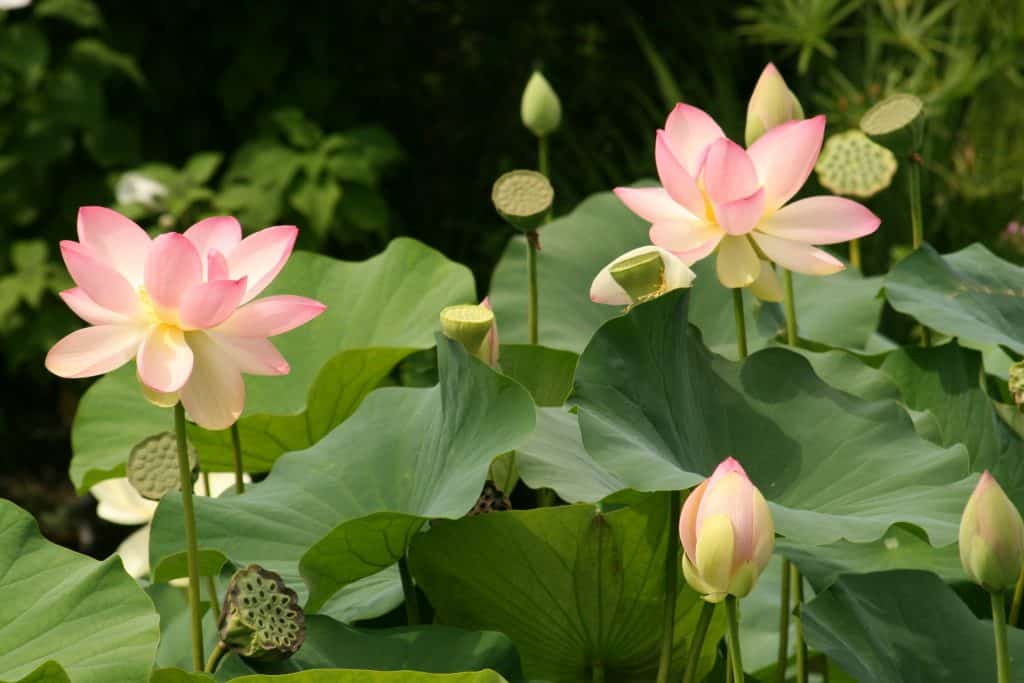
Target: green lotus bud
[
  {"x": 891, "y": 122},
  {"x": 153, "y": 466},
  {"x": 261, "y": 618},
  {"x": 771, "y": 104},
  {"x": 474, "y": 327},
  {"x": 523, "y": 198},
  {"x": 1017, "y": 383},
  {"x": 991, "y": 537},
  {"x": 540, "y": 109}
]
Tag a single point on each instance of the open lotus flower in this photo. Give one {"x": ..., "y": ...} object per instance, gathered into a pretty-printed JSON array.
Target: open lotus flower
[
  {"x": 991, "y": 537},
  {"x": 175, "y": 305},
  {"x": 727, "y": 533},
  {"x": 639, "y": 275},
  {"x": 718, "y": 196}
]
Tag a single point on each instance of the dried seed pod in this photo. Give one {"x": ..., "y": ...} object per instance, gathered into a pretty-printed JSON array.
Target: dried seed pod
[
  {"x": 491, "y": 500},
  {"x": 852, "y": 164},
  {"x": 261, "y": 618},
  {"x": 153, "y": 465}
]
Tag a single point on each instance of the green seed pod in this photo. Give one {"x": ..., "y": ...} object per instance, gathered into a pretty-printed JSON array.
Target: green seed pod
[
  {"x": 895, "y": 122},
  {"x": 642, "y": 275},
  {"x": 1017, "y": 383},
  {"x": 523, "y": 198},
  {"x": 153, "y": 466},
  {"x": 261, "y": 618},
  {"x": 468, "y": 324},
  {"x": 851, "y": 164},
  {"x": 540, "y": 108}
]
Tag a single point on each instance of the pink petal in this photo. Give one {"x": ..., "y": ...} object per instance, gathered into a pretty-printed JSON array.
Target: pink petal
[
  {"x": 688, "y": 520},
  {"x": 261, "y": 256},
  {"x": 728, "y": 172},
  {"x": 217, "y": 266},
  {"x": 796, "y": 256},
  {"x": 94, "y": 350},
  {"x": 679, "y": 236},
  {"x": 690, "y": 131},
  {"x": 253, "y": 355},
  {"x": 172, "y": 268},
  {"x": 165, "y": 359},
  {"x": 679, "y": 184},
  {"x": 98, "y": 280},
  {"x": 115, "y": 240},
  {"x": 653, "y": 204},
  {"x": 271, "y": 316},
  {"x": 211, "y": 303},
  {"x": 222, "y": 233},
  {"x": 88, "y": 310},
  {"x": 740, "y": 216},
  {"x": 737, "y": 264},
  {"x": 784, "y": 157},
  {"x": 691, "y": 256},
  {"x": 214, "y": 394},
  {"x": 821, "y": 220},
  {"x": 732, "y": 494}
]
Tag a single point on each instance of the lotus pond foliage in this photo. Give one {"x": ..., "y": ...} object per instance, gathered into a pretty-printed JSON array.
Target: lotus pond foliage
[{"x": 608, "y": 463}]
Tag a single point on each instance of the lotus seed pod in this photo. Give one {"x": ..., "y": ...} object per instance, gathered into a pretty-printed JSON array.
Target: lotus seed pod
[
  {"x": 1017, "y": 383},
  {"x": 640, "y": 275},
  {"x": 492, "y": 499},
  {"x": 991, "y": 537},
  {"x": 523, "y": 198},
  {"x": 772, "y": 103},
  {"x": 153, "y": 466},
  {"x": 891, "y": 122},
  {"x": 470, "y": 325},
  {"x": 852, "y": 164},
  {"x": 261, "y": 618},
  {"x": 540, "y": 108}
]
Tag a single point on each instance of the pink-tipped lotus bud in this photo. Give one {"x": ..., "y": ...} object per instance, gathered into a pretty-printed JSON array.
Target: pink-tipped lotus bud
[
  {"x": 540, "y": 108},
  {"x": 727, "y": 534},
  {"x": 640, "y": 275},
  {"x": 991, "y": 537},
  {"x": 771, "y": 104},
  {"x": 474, "y": 327}
]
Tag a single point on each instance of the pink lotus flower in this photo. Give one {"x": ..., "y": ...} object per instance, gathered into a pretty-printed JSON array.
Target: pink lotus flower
[
  {"x": 718, "y": 196},
  {"x": 727, "y": 533},
  {"x": 175, "y": 305}
]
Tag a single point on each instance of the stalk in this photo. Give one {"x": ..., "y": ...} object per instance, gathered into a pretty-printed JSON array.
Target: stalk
[
  {"x": 782, "y": 661},
  {"x": 855, "y": 253},
  {"x": 218, "y": 653},
  {"x": 236, "y": 444},
  {"x": 185, "y": 474},
  {"x": 801, "y": 646},
  {"x": 693, "y": 660},
  {"x": 211, "y": 588},
  {"x": 1018, "y": 594},
  {"x": 671, "y": 587},
  {"x": 412, "y": 602},
  {"x": 741, "y": 323},
  {"x": 914, "y": 188},
  {"x": 790, "y": 304},
  {"x": 735, "y": 656},
  {"x": 999, "y": 631}
]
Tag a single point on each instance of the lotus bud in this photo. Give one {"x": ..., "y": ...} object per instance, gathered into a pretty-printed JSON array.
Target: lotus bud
[
  {"x": 261, "y": 618},
  {"x": 640, "y": 275},
  {"x": 1017, "y": 383},
  {"x": 540, "y": 108},
  {"x": 474, "y": 327},
  {"x": 771, "y": 104},
  {"x": 991, "y": 537},
  {"x": 727, "y": 534}
]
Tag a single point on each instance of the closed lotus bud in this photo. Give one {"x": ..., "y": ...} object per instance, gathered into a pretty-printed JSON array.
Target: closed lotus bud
[
  {"x": 540, "y": 108},
  {"x": 727, "y": 534},
  {"x": 991, "y": 537},
  {"x": 1017, "y": 383},
  {"x": 640, "y": 275},
  {"x": 771, "y": 104},
  {"x": 474, "y": 327}
]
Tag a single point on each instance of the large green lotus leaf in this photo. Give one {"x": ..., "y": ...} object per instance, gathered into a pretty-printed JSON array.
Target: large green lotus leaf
[
  {"x": 659, "y": 411},
  {"x": 368, "y": 598},
  {"x": 904, "y": 627},
  {"x": 356, "y": 676},
  {"x": 546, "y": 373},
  {"x": 571, "y": 586},
  {"x": 972, "y": 294},
  {"x": 378, "y": 312},
  {"x": 431, "y": 649},
  {"x": 179, "y": 676},
  {"x": 171, "y": 603},
  {"x": 839, "y": 310},
  {"x": 348, "y": 505},
  {"x": 89, "y": 617},
  {"x": 48, "y": 672}
]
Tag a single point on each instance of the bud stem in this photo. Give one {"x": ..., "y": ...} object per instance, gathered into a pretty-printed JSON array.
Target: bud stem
[
  {"x": 185, "y": 472},
  {"x": 914, "y": 190},
  {"x": 798, "y": 640},
  {"x": 412, "y": 602},
  {"x": 741, "y": 323},
  {"x": 1018, "y": 594},
  {"x": 790, "y": 302},
  {"x": 782, "y": 660},
  {"x": 697, "y": 644},
  {"x": 236, "y": 444},
  {"x": 671, "y": 588},
  {"x": 999, "y": 631},
  {"x": 211, "y": 588},
  {"x": 733, "y": 619},
  {"x": 855, "y": 253}
]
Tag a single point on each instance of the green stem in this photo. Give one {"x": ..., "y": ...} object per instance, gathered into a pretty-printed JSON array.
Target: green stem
[
  {"x": 697, "y": 644},
  {"x": 211, "y": 588},
  {"x": 741, "y": 323},
  {"x": 218, "y": 653},
  {"x": 1018, "y": 594},
  {"x": 671, "y": 588},
  {"x": 790, "y": 303},
  {"x": 914, "y": 187},
  {"x": 531, "y": 289},
  {"x": 855, "y": 253},
  {"x": 192, "y": 544},
  {"x": 999, "y": 631},
  {"x": 782, "y": 660},
  {"x": 801, "y": 646},
  {"x": 236, "y": 443},
  {"x": 412, "y": 602},
  {"x": 735, "y": 656},
  {"x": 542, "y": 156},
  {"x": 597, "y": 672}
]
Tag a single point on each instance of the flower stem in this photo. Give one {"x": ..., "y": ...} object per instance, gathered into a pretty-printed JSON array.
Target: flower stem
[
  {"x": 914, "y": 188},
  {"x": 531, "y": 288},
  {"x": 218, "y": 653},
  {"x": 733, "y": 619},
  {"x": 999, "y": 631},
  {"x": 697, "y": 644},
  {"x": 782, "y": 661},
  {"x": 236, "y": 444},
  {"x": 790, "y": 302},
  {"x": 597, "y": 672},
  {"x": 211, "y": 588},
  {"x": 192, "y": 544},
  {"x": 801, "y": 646},
  {"x": 741, "y": 323},
  {"x": 855, "y": 253},
  {"x": 671, "y": 587},
  {"x": 412, "y": 602},
  {"x": 1018, "y": 594}
]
